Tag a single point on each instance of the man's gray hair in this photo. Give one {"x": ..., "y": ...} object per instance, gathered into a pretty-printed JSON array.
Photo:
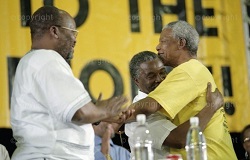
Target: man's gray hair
[
  {"x": 181, "y": 29},
  {"x": 138, "y": 59}
]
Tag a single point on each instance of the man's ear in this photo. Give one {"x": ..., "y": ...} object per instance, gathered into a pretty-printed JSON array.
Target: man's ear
[
  {"x": 136, "y": 81},
  {"x": 182, "y": 43},
  {"x": 54, "y": 31}
]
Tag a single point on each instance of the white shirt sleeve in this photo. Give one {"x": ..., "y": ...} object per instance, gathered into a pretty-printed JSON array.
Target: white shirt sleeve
[
  {"x": 159, "y": 128},
  {"x": 60, "y": 90}
]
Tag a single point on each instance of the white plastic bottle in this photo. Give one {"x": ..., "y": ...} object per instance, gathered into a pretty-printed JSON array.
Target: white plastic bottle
[
  {"x": 143, "y": 143},
  {"x": 196, "y": 147}
]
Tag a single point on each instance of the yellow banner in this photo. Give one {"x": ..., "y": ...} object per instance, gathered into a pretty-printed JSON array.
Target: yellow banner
[{"x": 112, "y": 31}]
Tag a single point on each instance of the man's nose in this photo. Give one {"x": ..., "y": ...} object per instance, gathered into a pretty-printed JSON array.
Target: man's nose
[{"x": 158, "y": 47}]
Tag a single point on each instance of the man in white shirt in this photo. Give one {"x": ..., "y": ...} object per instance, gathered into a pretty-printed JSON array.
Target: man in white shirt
[
  {"x": 148, "y": 71},
  {"x": 51, "y": 112}
]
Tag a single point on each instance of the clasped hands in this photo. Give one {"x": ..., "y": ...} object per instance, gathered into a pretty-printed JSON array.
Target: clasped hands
[{"x": 116, "y": 108}]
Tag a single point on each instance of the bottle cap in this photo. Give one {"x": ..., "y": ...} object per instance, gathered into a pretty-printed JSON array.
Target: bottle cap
[
  {"x": 174, "y": 157},
  {"x": 141, "y": 118},
  {"x": 194, "y": 121}
]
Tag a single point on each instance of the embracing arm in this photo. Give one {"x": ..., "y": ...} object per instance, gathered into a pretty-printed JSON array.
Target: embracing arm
[
  {"x": 145, "y": 106},
  {"x": 177, "y": 137}
]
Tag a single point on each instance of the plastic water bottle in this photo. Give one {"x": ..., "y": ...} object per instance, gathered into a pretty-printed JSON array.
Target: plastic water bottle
[
  {"x": 196, "y": 147},
  {"x": 143, "y": 142}
]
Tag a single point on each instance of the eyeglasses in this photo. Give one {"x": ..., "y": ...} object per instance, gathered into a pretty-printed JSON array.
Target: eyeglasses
[
  {"x": 73, "y": 30},
  {"x": 247, "y": 139}
]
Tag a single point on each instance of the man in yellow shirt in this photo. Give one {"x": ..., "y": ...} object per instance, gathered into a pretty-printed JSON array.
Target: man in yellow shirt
[{"x": 183, "y": 93}]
